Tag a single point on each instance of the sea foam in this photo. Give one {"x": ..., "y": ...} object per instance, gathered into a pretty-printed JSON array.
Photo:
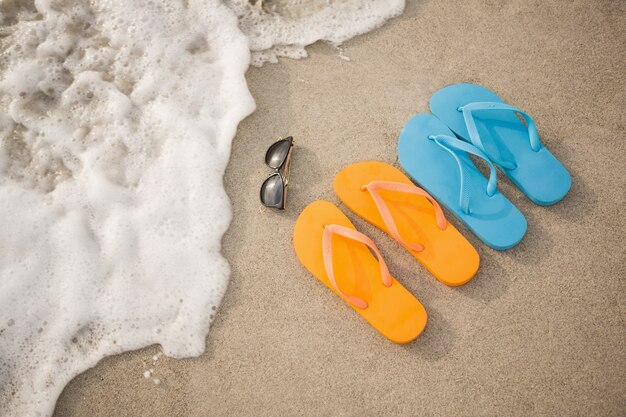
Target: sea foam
[
  {"x": 282, "y": 28},
  {"x": 116, "y": 121}
]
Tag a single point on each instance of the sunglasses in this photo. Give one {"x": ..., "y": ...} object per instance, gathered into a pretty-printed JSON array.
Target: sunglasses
[{"x": 274, "y": 188}]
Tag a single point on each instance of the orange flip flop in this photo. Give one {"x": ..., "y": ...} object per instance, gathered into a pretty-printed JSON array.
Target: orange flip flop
[
  {"x": 330, "y": 247},
  {"x": 385, "y": 197}
]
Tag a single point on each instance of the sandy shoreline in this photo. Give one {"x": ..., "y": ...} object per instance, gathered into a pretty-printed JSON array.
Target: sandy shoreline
[{"x": 539, "y": 331}]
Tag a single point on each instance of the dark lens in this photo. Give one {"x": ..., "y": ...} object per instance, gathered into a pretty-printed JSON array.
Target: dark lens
[
  {"x": 272, "y": 191},
  {"x": 277, "y": 153}
]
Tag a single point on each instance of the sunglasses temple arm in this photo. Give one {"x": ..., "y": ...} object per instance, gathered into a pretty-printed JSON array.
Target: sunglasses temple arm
[{"x": 287, "y": 165}]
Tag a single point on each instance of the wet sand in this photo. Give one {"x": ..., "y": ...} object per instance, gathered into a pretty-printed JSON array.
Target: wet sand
[{"x": 539, "y": 331}]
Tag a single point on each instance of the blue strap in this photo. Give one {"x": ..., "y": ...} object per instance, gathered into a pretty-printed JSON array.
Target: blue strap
[
  {"x": 453, "y": 146},
  {"x": 467, "y": 110}
]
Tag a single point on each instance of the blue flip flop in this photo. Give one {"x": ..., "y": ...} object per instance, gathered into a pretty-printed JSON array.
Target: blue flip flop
[
  {"x": 477, "y": 115},
  {"x": 433, "y": 157}
]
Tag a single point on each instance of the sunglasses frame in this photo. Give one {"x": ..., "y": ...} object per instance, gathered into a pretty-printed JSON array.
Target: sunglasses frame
[{"x": 284, "y": 176}]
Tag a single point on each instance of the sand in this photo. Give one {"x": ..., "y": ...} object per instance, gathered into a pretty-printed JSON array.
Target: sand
[{"x": 540, "y": 330}]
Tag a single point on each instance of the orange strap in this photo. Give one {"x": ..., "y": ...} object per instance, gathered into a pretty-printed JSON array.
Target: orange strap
[
  {"x": 327, "y": 250},
  {"x": 385, "y": 213}
]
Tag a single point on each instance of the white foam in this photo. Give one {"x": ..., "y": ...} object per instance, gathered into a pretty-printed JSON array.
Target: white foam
[
  {"x": 116, "y": 130},
  {"x": 116, "y": 120},
  {"x": 284, "y": 27}
]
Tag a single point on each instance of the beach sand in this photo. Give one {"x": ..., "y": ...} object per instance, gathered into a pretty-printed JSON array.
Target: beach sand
[{"x": 539, "y": 331}]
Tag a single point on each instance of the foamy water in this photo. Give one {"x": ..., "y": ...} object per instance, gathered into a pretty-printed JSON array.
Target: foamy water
[{"x": 116, "y": 121}]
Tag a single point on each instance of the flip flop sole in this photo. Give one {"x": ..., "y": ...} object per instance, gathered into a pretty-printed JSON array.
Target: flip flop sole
[
  {"x": 495, "y": 220},
  {"x": 393, "y": 311},
  {"x": 447, "y": 254},
  {"x": 539, "y": 175}
]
